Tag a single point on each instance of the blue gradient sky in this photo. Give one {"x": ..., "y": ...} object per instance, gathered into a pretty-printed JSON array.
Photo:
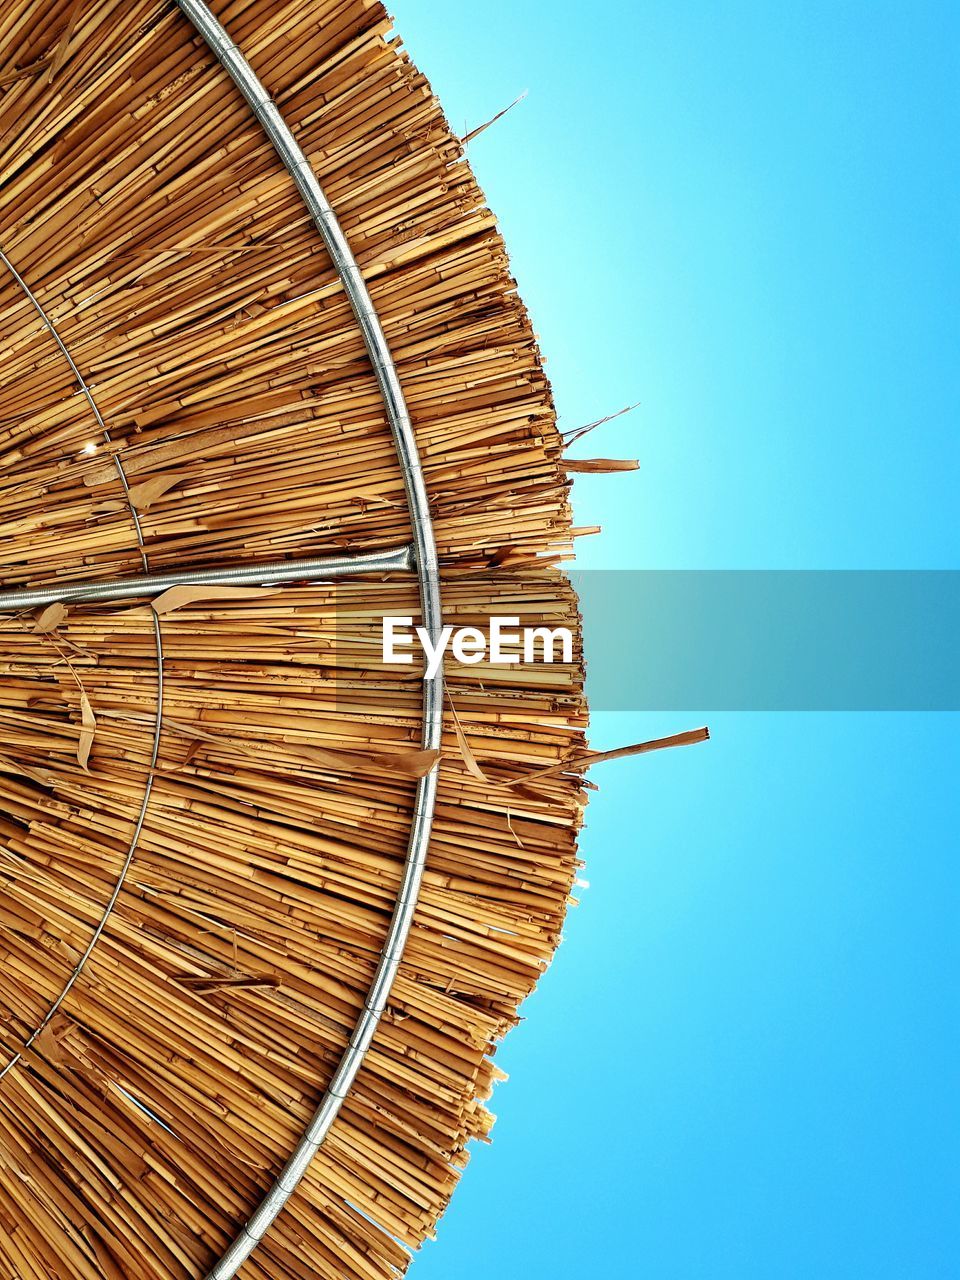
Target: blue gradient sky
[{"x": 743, "y": 1062}]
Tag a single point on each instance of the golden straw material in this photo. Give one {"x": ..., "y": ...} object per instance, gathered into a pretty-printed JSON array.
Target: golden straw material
[{"x": 240, "y": 842}]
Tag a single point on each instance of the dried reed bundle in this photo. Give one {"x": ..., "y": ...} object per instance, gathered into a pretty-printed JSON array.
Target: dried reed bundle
[{"x": 143, "y": 207}]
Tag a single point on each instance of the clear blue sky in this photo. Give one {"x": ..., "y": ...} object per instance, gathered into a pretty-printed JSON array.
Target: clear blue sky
[{"x": 743, "y": 1063}]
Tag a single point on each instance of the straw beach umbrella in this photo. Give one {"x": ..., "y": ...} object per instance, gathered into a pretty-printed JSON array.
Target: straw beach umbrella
[{"x": 266, "y": 902}]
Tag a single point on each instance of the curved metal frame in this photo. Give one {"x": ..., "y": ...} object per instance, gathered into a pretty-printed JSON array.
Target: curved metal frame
[
  {"x": 158, "y": 719},
  {"x": 425, "y": 559}
]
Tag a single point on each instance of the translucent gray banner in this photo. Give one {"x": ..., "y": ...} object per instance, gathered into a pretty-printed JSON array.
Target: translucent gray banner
[
  {"x": 771, "y": 640},
  {"x": 739, "y": 640}
]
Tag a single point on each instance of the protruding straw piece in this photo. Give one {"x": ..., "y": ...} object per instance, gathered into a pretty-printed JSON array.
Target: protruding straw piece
[{"x": 474, "y": 133}]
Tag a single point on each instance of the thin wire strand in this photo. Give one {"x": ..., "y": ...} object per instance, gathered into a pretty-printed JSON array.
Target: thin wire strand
[{"x": 158, "y": 719}]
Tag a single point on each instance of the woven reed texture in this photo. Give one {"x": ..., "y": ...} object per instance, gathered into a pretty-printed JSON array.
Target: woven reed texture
[{"x": 142, "y": 204}]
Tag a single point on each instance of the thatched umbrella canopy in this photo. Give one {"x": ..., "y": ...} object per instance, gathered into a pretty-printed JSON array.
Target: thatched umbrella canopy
[{"x": 257, "y": 939}]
